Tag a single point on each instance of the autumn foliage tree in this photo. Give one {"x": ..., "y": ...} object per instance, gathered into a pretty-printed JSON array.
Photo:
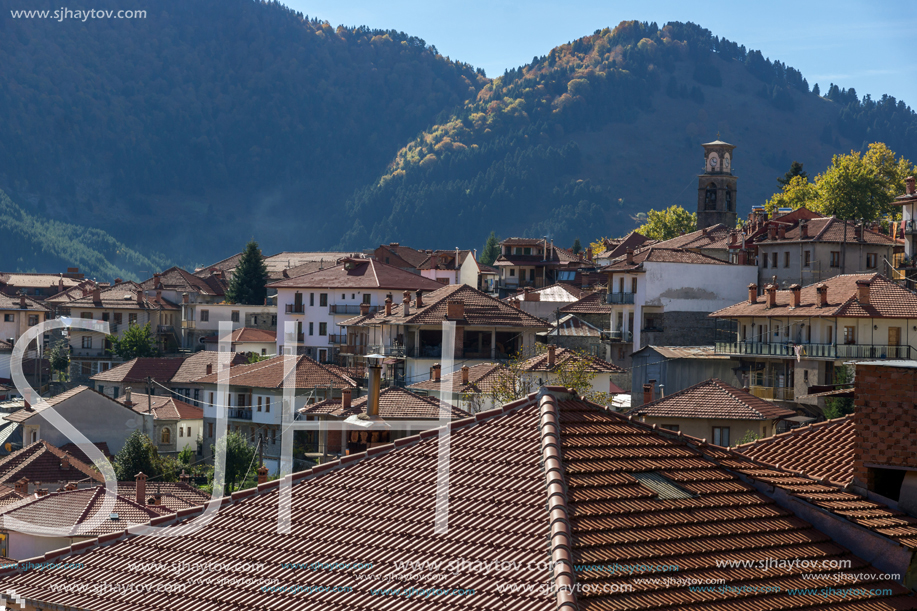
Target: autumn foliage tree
[{"x": 666, "y": 224}]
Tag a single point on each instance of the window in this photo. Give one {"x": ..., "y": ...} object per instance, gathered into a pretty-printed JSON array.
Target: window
[
  {"x": 871, "y": 260},
  {"x": 234, "y": 316},
  {"x": 764, "y": 260},
  {"x": 532, "y": 274},
  {"x": 254, "y": 320},
  {"x": 786, "y": 259},
  {"x": 33, "y": 320},
  {"x": 710, "y": 197},
  {"x": 807, "y": 258},
  {"x": 274, "y": 436},
  {"x": 620, "y": 285},
  {"x": 633, "y": 285},
  {"x": 311, "y": 325},
  {"x": 830, "y": 335},
  {"x": 273, "y": 321},
  {"x": 118, "y": 318},
  {"x": 669, "y": 427},
  {"x": 259, "y": 404},
  {"x": 730, "y": 206},
  {"x": 86, "y": 315},
  {"x": 240, "y": 399},
  {"x": 166, "y": 436},
  {"x": 367, "y": 298},
  {"x": 850, "y": 335},
  {"x": 131, "y": 319},
  {"x": 343, "y": 296},
  {"x": 323, "y": 328},
  {"x": 85, "y": 368},
  {"x": 197, "y": 397},
  {"x": 527, "y": 251},
  {"x": 181, "y": 431},
  {"x": 323, "y": 300},
  {"x": 105, "y": 316},
  {"x": 774, "y": 259},
  {"x": 721, "y": 436},
  {"x": 101, "y": 390},
  {"x": 264, "y": 352},
  {"x": 835, "y": 258},
  {"x": 267, "y": 404},
  {"x": 386, "y": 260},
  {"x": 512, "y": 272},
  {"x": 87, "y": 341},
  {"x": 8, "y": 318}
]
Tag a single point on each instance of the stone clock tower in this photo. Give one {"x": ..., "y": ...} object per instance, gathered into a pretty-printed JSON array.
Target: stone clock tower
[{"x": 716, "y": 187}]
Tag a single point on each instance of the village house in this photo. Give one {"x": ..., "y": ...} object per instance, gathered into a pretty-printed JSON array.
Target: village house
[
  {"x": 452, "y": 267},
  {"x": 246, "y": 340},
  {"x": 469, "y": 388},
  {"x": 18, "y": 315},
  {"x": 617, "y": 247},
  {"x": 39, "y": 286},
  {"x": 544, "y": 369},
  {"x": 279, "y": 266},
  {"x": 318, "y": 303},
  {"x": 145, "y": 373},
  {"x": 535, "y": 263},
  {"x": 576, "y": 334},
  {"x": 669, "y": 369},
  {"x": 403, "y": 257},
  {"x": 176, "y": 425},
  {"x": 546, "y": 302},
  {"x": 792, "y": 339},
  {"x": 906, "y": 262}
]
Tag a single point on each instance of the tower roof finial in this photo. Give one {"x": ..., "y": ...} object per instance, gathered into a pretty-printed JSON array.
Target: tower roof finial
[{"x": 717, "y": 135}]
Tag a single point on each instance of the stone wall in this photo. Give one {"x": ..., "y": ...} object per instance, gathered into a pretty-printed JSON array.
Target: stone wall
[{"x": 689, "y": 329}]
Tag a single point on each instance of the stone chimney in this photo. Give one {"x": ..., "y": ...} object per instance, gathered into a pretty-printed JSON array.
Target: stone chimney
[
  {"x": 863, "y": 291},
  {"x": 589, "y": 253},
  {"x": 804, "y": 228},
  {"x": 552, "y": 355},
  {"x": 435, "y": 372},
  {"x": 406, "y": 304},
  {"x": 184, "y": 478},
  {"x": 118, "y": 281},
  {"x": 127, "y": 397},
  {"x": 22, "y": 487},
  {"x": 796, "y": 291},
  {"x": 419, "y": 302},
  {"x": 139, "y": 296},
  {"x": 185, "y": 299},
  {"x": 65, "y": 461},
  {"x": 909, "y": 188},
  {"x": 455, "y": 309},
  {"x": 858, "y": 232},
  {"x": 96, "y": 293},
  {"x": 648, "y": 391},
  {"x": 771, "y": 232},
  {"x": 388, "y": 306},
  {"x": 209, "y": 368},
  {"x": 41, "y": 491},
  {"x": 22, "y": 303},
  {"x": 71, "y": 486},
  {"x": 822, "y": 291},
  {"x": 771, "y": 292},
  {"x": 364, "y": 309},
  {"x": 140, "y": 493},
  {"x": 346, "y": 395},
  {"x": 465, "y": 371},
  {"x": 262, "y": 474},
  {"x": 781, "y": 232},
  {"x": 630, "y": 256},
  {"x": 752, "y": 293}
]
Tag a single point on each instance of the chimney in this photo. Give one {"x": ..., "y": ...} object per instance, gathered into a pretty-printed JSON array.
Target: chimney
[
  {"x": 704, "y": 231},
  {"x": 22, "y": 487},
  {"x": 516, "y": 304},
  {"x": 752, "y": 293},
  {"x": 158, "y": 295},
  {"x": 863, "y": 291},
  {"x": 209, "y": 368},
  {"x": 388, "y": 306},
  {"x": 858, "y": 232},
  {"x": 60, "y": 284},
  {"x": 796, "y": 291},
  {"x": 743, "y": 258},
  {"x": 71, "y": 486},
  {"x": 648, "y": 391},
  {"x": 804, "y": 228},
  {"x": 822, "y": 290},
  {"x": 455, "y": 309},
  {"x": 139, "y": 296},
  {"x": 406, "y": 304},
  {"x": 140, "y": 495},
  {"x": 346, "y": 398},
  {"x": 22, "y": 300},
  {"x": 375, "y": 378},
  {"x": 118, "y": 281},
  {"x": 127, "y": 397},
  {"x": 184, "y": 478},
  {"x": 552, "y": 355},
  {"x": 419, "y": 303},
  {"x": 630, "y": 256},
  {"x": 771, "y": 232},
  {"x": 41, "y": 491},
  {"x": 65, "y": 461},
  {"x": 435, "y": 371},
  {"x": 589, "y": 254},
  {"x": 771, "y": 291},
  {"x": 262, "y": 474},
  {"x": 781, "y": 232},
  {"x": 465, "y": 371},
  {"x": 156, "y": 500},
  {"x": 364, "y": 309},
  {"x": 909, "y": 186},
  {"x": 219, "y": 274},
  {"x": 185, "y": 299}
]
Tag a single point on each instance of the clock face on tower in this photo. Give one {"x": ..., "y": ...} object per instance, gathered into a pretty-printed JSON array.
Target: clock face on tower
[
  {"x": 726, "y": 162},
  {"x": 713, "y": 163}
]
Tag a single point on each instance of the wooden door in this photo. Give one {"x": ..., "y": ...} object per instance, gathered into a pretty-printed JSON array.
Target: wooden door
[{"x": 894, "y": 336}]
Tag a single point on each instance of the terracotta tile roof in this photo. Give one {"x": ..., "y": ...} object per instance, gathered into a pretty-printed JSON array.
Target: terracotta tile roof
[
  {"x": 480, "y": 309},
  {"x": 481, "y": 380},
  {"x": 886, "y": 300},
  {"x": 547, "y": 478},
  {"x": 71, "y": 294},
  {"x": 444, "y": 259},
  {"x": 557, "y": 292},
  {"x": 353, "y": 373},
  {"x": 175, "y": 495},
  {"x": 269, "y": 374},
  {"x": 247, "y": 335},
  {"x": 226, "y": 265},
  {"x": 539, "y": 362},
  {"x": 821, "y": 450},
  {"x": 394, "y": 402},
  {"x": 411, "y": 256},
  {"x": 657, "y": 254},
  {"x": 41, "y": 462},
  {"x": 827, "y": 229},
  {"x": 713, "y": 399},
  {"x": 571, "y": 326},
  {"x": 161, "y": 369},
  {"x": 618, "y": 247},
  {"x": 715, "y": 237},
  {"x": 26, "y": 280},
  {"x": 165, "y": 407},
  {"x": 593, "y": 303},
  {"x": 74, "y": 450},
  {"x": 123, "y": 297},
  {"x": 177, "y": 279},
  {"x": 195, "y": 366},
  {"x": 26, "y": 413},
  {"x": 555, "y": 256},
  {"x": 363, "y": 274},
  {"x": 14, "y": 303}
]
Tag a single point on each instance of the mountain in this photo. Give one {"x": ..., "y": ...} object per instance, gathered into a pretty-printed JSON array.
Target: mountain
[
  {"x": 213, "y": 121},
  {"x": 30, "y": 244}
]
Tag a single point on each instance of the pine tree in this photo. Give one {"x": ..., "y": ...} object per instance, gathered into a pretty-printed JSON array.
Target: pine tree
[
  {"x": 138, "y": 454},
  {"x": 491, "y": 250},
  {"x": 577, "y": 247},
  {"x": 816, "y": 90},
  {"x": 249, "y": 279},
  {"x": 795, "y": 170}
]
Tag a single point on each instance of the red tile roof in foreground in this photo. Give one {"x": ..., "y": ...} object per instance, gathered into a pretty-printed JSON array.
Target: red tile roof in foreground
[
  {"x": 394, "y": 402},
  {"x": 270, "y": 374},
  {"x": 822, "y": 450},
  {"x": 886, "y": 300},
  {"x": 713, "y": 399},
  {"x": 546, "y": 478},
  {"x": 41, "y": 462}
]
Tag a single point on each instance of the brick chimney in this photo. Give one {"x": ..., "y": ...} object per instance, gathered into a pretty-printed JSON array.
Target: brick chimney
[
  {"x": 858, "y": 232},
  {"x": 388, "y": 306},
  {"x": 127, "y": 397},
  {"x": 781, "y": 232},
  {"x": 262, "y": 474},
  {"x": 863, "y": 291},
  {"x": 65, "y": 461},
  {"x": 71, "y": 486},
  {"x": 22, "y": 303},
  {"x": 822, "y": 291},
  {"x": 186, "y": 299},
  {"x": 752, "y": 293},
  {"x": 589, "y": 253},
  {"x": 364, "y": 309},
  {"x": 435, "y": 371},
  {"x": 630, "y": 256},
  {"x": 648, "y": 391},
  {"x": 804, "y": 228},
  {"x": 406, "y": 304},
  {"x": 140, "y": 493},
  {"x": 909, "y": 187},
  {"x": 209, "y": 368},
  {"x": 771, "y": 232},
  {"x": 118, "y": 281},
  {"x": 419, "y": 302},
  {"x": 796, "y": 291},
  {"x": 455, "y": 309},
  {"x": 515, "y": 303},
  {"x": 41, "y": 491},
  {"x": 22, "y": 487},
  {"x": 139, "y": 296},
  {"x": 465, "y": 371},
  {"x": 346, "y": 395},
  {"x": 552, "y": 355},
  {"x": 771, "y": 295},
  {"x": 184, "y": 478}
]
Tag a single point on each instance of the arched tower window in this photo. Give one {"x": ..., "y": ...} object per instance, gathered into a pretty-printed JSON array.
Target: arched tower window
[
  {"x": 730, "y": 205},
  {"x": 710, "y": 197}
]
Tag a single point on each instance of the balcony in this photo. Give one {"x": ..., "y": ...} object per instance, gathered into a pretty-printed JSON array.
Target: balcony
[
  {"x": 354, "y": 350},
  {"x": 351, "y": 310},
  {"x": 165, "y": 329},
  {"x": 241, "y": 413},
  {"x": 295, "y": 308},
  {"x": 397, "y": 351},
  {"x": 337, "y": 339},
  {"x": 815, "y": 351},
  {"x": 187, "y": 324},
  {"x": 619, "y": 298},
  {"x": 910, "y": 228},
  {"x": 618, "y": 337},
  {"x": 772, "y": 393}
]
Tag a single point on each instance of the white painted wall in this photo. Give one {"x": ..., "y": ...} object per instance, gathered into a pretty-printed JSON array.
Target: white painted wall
[{"x": 23, "y": 546}]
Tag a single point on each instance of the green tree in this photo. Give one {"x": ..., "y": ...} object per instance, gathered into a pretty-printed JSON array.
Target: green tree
[
  {"x": 795, "y": 170},
  {"x": 249, "y": 280},
  {"x": 59, "y": 357},
  {"x": 816, "y": 90},
  {"x": 254, "y": 357},
  {"x": 798, "y": 192},
  {"x": 138, "y": 454},
  {"x": 669, "y": 223},
  {"x": 136, "y": 342},
  {"x": 491, "y": 250},
  {"x": 577, "y": 247},
  {"x": 839, "y": 407},
  {"x": 239, "y": 456}
]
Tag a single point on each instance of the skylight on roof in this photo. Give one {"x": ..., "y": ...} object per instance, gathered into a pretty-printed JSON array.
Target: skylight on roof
[{"x": 664, "y": 489}]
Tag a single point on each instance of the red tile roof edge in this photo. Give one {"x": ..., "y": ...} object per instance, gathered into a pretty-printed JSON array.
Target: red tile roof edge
[{"x": 793, "y": 432}]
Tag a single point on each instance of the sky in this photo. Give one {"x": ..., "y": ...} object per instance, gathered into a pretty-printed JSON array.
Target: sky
[{"x": 871, "y": 46}]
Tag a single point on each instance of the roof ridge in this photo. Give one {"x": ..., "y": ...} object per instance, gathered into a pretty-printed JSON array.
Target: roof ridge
[{"x": 795, "y": 432}]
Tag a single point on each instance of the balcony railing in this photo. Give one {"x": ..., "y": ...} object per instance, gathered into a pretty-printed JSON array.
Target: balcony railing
[
  {"x": 387, "y": 350},
  {"x": 295, "y": 308},
  {"x": 619, "y": 298},
  {"x": 624, "y": 337},
  {"x": 336, "y": 338},
  {"x": 164, "y": 329},
  {"x": 354, "y": 349},
  {"x": 772, "y": 393},
  {"x": 241, "y": 413},
  {"x": 353, "y": 310},
  {"x": 910, "y": 228},
  {"x": 815, "y": 351},
  {"x": 187, "y": 324}
]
